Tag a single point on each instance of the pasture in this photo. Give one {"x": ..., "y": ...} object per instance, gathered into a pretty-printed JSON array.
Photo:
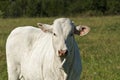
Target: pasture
[{"x": 100, "y": 49}]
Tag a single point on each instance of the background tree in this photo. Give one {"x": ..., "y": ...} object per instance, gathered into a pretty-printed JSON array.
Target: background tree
[{"x": 51, "y": 8}]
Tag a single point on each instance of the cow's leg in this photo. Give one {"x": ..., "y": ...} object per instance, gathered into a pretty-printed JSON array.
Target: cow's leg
[{"x": 13, "y": 71}]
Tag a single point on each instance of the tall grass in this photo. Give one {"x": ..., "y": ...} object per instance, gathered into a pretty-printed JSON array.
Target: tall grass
[{"x": 100, "y": 49}]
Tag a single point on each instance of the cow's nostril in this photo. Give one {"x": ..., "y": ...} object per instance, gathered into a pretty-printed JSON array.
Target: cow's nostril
[{"x": 66, "y": 53}]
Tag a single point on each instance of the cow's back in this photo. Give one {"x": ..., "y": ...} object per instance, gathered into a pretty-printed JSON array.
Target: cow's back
[{"x": 21, "y": 40}]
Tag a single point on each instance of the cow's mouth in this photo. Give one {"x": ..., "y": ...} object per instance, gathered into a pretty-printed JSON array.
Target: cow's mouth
[{"x": 63, "y": 61}]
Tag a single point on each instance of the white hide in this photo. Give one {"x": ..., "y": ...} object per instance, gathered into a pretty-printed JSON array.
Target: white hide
[{"x": 32, "y": 53}]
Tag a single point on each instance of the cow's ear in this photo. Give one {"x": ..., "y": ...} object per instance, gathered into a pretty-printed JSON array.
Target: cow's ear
[
  {"x": 45, "y": 27},
  {"x": 81, "y": 30}
]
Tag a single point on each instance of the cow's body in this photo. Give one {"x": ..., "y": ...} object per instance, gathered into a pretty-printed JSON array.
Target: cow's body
[{"x": 31, "y": 56}]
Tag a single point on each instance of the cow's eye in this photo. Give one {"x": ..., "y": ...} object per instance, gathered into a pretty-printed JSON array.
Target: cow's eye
[{"x": 54, "y": 34}]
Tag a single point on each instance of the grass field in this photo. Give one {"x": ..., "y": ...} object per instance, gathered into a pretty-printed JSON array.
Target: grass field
[{"x": 100, "y": 49}]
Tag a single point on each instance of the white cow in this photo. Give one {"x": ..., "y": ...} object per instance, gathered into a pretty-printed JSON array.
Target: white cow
[{"x": 45, "y": 53}]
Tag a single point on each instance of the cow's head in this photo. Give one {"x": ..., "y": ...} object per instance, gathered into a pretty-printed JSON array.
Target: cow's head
[{"x": 63, "y": 30}]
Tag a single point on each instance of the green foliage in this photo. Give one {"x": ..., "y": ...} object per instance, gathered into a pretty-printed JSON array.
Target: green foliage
[
  {"x": 113, "y": 7},
  {"x": 100, "y": 49},
  {"x": 50, "y": 8},
  {"x": 1, "y": 14}
]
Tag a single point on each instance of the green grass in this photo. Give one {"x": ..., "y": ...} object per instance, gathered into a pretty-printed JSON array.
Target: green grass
[{"x": 100, "y": 49}]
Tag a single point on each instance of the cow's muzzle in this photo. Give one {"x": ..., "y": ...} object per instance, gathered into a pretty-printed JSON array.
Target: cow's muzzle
[{"x": 63, "y": 53}]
